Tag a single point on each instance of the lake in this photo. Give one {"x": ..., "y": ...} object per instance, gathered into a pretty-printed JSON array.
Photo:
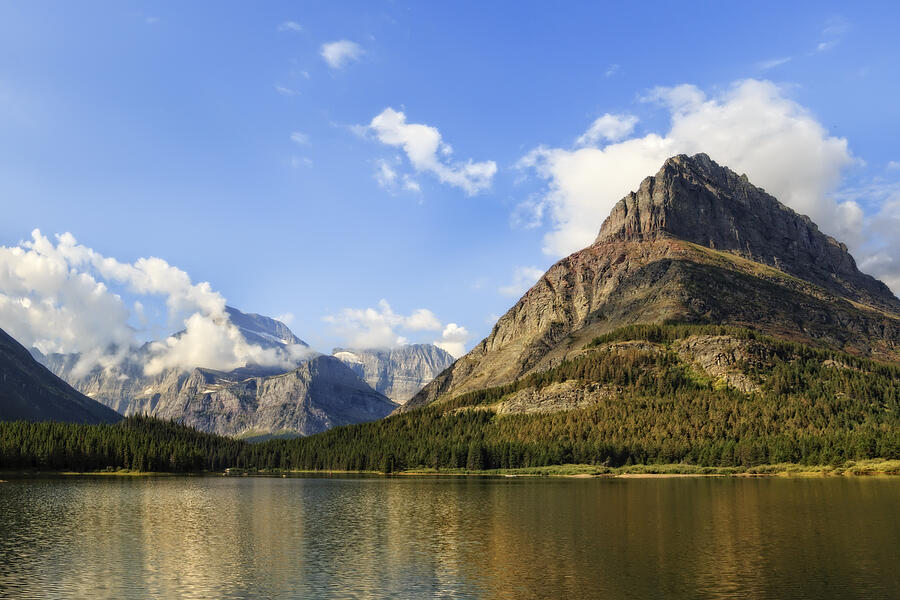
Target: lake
[{"x": 435, "y": 537}]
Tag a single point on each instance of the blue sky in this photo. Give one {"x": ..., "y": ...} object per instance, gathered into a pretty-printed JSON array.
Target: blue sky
[{"x": 217, "y": 137}]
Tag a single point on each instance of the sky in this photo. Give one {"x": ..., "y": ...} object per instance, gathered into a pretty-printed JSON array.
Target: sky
[{"x": 381, "y": 173}]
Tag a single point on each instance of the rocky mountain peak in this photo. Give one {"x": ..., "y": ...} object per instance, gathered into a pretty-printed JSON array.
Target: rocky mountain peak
[
  {"x": 692, "y": 198},
  {"x": 261, "y": 329}
]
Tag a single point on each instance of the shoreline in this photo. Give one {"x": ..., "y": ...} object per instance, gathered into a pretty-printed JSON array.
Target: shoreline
[{"x": 865, "y": 468}]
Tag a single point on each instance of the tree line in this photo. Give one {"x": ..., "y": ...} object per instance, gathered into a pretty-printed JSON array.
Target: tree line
[{"x": 812, "y": 406}]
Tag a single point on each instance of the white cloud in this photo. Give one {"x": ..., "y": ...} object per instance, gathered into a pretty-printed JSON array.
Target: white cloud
[
  {"x": 286, "y": 318},
  {"x": 612, "y": 70},
  {"x": 879, "y": 252},
  {"x": 752, "y": 127},
  {"x": 57, "y": 298},
  {"x": 286, "y": 91},
  {"x": 608, "y": 128},
  {"x": 428, "y": 153},
  {"x": 385, "y": 175},
  {"x": 832, "y": 34},
  {"x": 453, "y": 340},
  {"x": 774, "y": 62},
  {"x": 291, "y": 26},
  {"x": 380, "y": 327},
  {"x": 894, "y": 165},
  {"x": 300, "y": 138},
  {"x": 339, "y": 54},
  {"x": 410, "y": 184},
  {"x": 523, "y": 279},
  {"x": 151, "y": 20},
  {"x": 301, "y": 161}
]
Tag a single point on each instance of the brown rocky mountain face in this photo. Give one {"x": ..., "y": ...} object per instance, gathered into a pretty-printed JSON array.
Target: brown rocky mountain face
[{"x": 695, "y": 243}]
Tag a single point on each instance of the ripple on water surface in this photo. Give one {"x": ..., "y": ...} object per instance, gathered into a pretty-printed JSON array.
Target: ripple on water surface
[{"x": 202, "y": 537}]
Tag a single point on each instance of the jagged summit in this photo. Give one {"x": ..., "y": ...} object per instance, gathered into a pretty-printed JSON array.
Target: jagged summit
[
  {"x": 693, "y": 198},
  {"x": 695, "y": 243}
]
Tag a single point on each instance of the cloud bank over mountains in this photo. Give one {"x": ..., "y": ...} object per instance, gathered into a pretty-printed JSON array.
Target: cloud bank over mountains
[
  {"x": 381, "y": 327},
  {"x": 57, "y": 297}
]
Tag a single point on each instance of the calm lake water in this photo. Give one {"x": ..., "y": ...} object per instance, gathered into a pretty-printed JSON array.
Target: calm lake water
[{"x": 217, "y": 537}]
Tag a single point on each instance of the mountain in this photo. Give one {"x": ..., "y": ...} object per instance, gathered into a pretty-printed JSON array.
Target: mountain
[
  {"x": 400, "y": 372},
  {"x": 707, "y": 324},
  {"x": 696, "y": 243},
  {"x": 314, "y": 393},
  {"x": 128, "y": 390},
  {"x": 319, "y": 394},
  {"x": 262, "y": 330},
  {"x": 29, "y": 392}
]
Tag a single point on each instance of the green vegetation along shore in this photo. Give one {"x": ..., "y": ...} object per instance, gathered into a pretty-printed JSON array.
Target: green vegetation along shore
[{"x": 803, "y": 406}]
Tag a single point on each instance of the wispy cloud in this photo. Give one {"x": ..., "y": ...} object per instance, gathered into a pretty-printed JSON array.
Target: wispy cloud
[
  {"x": 523, "y": 279},
  {"x": 292, "y": 26},
  {"x": 765, "y": 65},
  {"x": 339, "y": 54},
  {"x": 832, "y": 34},
  {"x": 286, "y": 91},
  {"x": 612, "y": 70},
  {"x": 300, "y": 138}
]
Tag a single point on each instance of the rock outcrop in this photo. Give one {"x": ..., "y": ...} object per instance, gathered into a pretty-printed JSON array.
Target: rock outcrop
[
  {"x": 319, "y": 394},
  {"x": 29, "y": 392},
  {"x": 398, "y": 373},
  {"x": 695, "y": 243}
]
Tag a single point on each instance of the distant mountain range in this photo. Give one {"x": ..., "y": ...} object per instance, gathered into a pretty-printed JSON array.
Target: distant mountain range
[
  {"x": 29, "y": 392},
  {"x": 319, "y": 392},
  {"x": 400, "y": 372}
]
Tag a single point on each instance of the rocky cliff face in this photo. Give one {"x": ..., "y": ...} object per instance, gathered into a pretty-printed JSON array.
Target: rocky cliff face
[
  {"x": 29, "y": 392},
  {"x": 313, "y": 396},
  {"x": 398, "y": 373},
  {"x": 319, "y": 394},
  {"x": 695, "y": 243}
]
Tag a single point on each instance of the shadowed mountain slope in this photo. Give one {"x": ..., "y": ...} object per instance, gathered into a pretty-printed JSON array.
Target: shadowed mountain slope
[{"x": 30, "y": 392}]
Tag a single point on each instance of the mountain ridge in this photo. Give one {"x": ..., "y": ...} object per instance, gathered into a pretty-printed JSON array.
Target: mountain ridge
[
  {"x": 638, "y": 271},
  {"x": 31, "y": 392}
]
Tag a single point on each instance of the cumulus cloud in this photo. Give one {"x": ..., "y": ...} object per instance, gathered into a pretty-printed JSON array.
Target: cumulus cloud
[
  {"x": 428, "y": 153},
  {"x": 608, "y": 128},
  {"x": 57, "y": 297},
  {"x": 339, "y": 54},
  {"x": 751, "y": 127},
  {"x": 381, "y": 327},
  {"x": 387, "y": 177},
  {"x": 523, "y": 279},
  {"x": 879, "y": 252},
  {"x": 453, "y": 340}
]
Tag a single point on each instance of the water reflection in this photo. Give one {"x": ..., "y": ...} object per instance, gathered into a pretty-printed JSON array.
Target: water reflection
[{"x": 449, "y": 538}]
